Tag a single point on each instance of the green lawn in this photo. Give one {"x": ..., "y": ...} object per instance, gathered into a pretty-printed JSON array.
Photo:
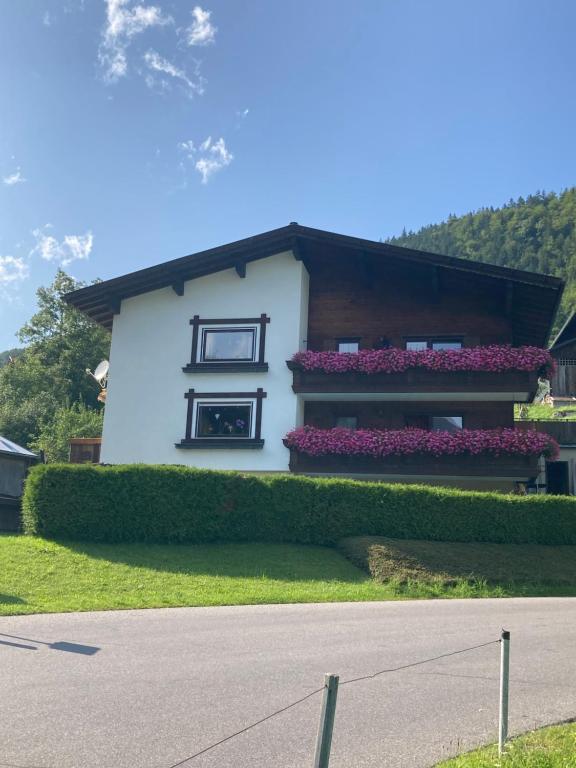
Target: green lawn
[
  {"x": 553, "y": 747},
  {"x": 40, "y": 576}
]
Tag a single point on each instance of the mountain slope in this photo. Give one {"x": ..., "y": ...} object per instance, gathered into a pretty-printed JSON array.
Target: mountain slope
[{"x": 537, "y": 233}]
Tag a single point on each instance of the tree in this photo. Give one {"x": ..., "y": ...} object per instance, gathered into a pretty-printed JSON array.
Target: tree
[
  {"x": 50, "y": 372},
  {"x": 67, "y": 422}
]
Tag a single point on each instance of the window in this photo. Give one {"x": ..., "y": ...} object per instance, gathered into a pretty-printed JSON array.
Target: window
[
  {"x": 347, "y": 422},
  {"x": 446, "y": 345},
  {"x": 228, "y": 345},
  {"x": 438, "y": 344},
  {"x": 348, "y": 345},
  {"x": 223, "y": 420},
  {"x": 434, "y": 423},
  {"x": 231, "y": 420},
  {"x": 416, "y": 346},
  {"x": 446, "y": 423}
]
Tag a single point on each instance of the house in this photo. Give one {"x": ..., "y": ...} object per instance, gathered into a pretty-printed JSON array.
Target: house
[
  {"x": 306, "y": 350},
  {"x": 563, "y": 349},
  {"x": 560, "y": 476},
  {"x": 15, "y": 461}
]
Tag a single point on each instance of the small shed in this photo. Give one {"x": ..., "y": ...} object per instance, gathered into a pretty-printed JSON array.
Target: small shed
[
  {"x": 85, "y": 450},
  {"x": 15, "y": 462}
]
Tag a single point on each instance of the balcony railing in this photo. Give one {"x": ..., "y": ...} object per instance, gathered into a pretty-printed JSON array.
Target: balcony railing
[
  {"x": 495, "y": 453},
  {"x": 510, "y": 370}
]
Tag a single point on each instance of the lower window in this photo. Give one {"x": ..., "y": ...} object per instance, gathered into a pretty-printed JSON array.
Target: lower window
[
  {"x": 223, "y": 420},
  {"x": 230, "y": 420},
  {"x": 434, "y": 423},
  {"x": 446, "y": 423}
]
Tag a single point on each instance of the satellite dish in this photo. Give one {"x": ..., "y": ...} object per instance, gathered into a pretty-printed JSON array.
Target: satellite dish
[{"x": 101, "y": 371}]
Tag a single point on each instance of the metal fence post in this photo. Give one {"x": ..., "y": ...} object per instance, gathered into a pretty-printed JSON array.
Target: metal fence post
[
  {"x": 324, "y": 740},
  {"x": 504, "y": 689}
]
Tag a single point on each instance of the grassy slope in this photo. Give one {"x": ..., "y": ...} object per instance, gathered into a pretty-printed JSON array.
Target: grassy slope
[
  {"x": 38, "y": 576},
  {"x": 473, "y": 569},
  {"x": 548, "y": 748}
]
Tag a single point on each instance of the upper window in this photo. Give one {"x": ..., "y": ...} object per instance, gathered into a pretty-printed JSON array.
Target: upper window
[
  {"x": 231, "y": 344},
  {"x": 228, "y": 344},
  {"x": 418, "y": 344},
  {"x": 348, "y": 345},
  {"x": 446, "y": 345}
]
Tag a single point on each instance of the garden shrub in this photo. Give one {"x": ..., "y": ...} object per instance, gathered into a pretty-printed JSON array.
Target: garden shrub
[{"x": 152, "y": 503}]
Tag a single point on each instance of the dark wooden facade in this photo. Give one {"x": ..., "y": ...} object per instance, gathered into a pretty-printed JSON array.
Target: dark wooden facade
[
  {"x": 373, "y": 298},
  {"x": 398, "y": 415},
  {"x": 415, "y": 381},
  {"x": 519, "y": 468}
]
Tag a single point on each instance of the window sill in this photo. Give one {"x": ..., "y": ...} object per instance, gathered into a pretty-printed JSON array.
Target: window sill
[
  {"x": 208, "y": 443},
  {"x": 225, "y": 368}
]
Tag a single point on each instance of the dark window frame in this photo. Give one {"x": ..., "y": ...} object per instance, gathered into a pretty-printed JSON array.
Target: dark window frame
[
  {"x": 233, "y": 366},
  {"x": 255, "y": 441}
]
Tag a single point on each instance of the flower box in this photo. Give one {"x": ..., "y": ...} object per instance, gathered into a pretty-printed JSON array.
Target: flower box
[
  {"x": 498, "y": 452},
  {"x": 496, "y": 368}
]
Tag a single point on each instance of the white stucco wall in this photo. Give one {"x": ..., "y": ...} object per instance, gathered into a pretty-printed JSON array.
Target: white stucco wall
[{"x": 145, "y": 412}]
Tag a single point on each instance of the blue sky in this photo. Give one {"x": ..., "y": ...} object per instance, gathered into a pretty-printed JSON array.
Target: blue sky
[{"x": 136, "y": 132}]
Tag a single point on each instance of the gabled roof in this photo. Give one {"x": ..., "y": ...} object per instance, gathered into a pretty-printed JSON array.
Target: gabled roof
[
  {"x": 566, "y": 334},
  {"x": 102, "y": 300},
  {"x": 7, "y": 447}
]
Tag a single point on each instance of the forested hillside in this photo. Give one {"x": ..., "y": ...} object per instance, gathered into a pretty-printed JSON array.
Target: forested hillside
[{"x": 537, "y": 233}]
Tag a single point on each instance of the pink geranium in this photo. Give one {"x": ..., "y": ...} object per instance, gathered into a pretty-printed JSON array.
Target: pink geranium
[
  {"x": 494, "y": 358},
  {"x": 403, "y": 442}
]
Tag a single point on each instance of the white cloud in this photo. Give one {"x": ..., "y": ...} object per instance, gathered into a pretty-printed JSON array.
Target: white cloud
[
  {"x": 209, "y": 157},
  {"x": 64, "y": 252},
  {"x": 201, "y": 31},
  {"x": 123, "y": 23},
  {"x": 47, "y": 19},
  {"x": 14, "y": 178},
  {"x": 161, "y": 66},
  {"x": 13, "y": 269}
]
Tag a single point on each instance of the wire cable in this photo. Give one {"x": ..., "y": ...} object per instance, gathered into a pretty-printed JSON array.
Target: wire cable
[
  {"x": 248, "y": 727},
  {"x": 318, "y": 690},
  {"x": 417, "y": 663}
]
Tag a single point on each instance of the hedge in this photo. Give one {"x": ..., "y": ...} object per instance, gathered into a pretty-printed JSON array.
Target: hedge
[{"x": 149, "y": 503}]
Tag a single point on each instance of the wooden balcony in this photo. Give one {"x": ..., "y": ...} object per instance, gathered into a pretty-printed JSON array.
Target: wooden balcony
[
  {"x": 519, "y": 386},
  {"x": 519, "y": 468},
  {"x": 563, "y": 431}
]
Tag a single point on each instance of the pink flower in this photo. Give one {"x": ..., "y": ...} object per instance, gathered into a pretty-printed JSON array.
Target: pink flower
[
  {"x": 494, "y": 358},
  {"x": 401, "y": 442}
]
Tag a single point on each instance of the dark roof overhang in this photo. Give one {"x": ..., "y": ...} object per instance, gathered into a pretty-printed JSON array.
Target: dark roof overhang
[{"x": 535, "y": 296}]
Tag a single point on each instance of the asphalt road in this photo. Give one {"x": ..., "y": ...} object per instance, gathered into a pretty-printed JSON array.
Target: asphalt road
[{"x": 144, "y": 689}]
